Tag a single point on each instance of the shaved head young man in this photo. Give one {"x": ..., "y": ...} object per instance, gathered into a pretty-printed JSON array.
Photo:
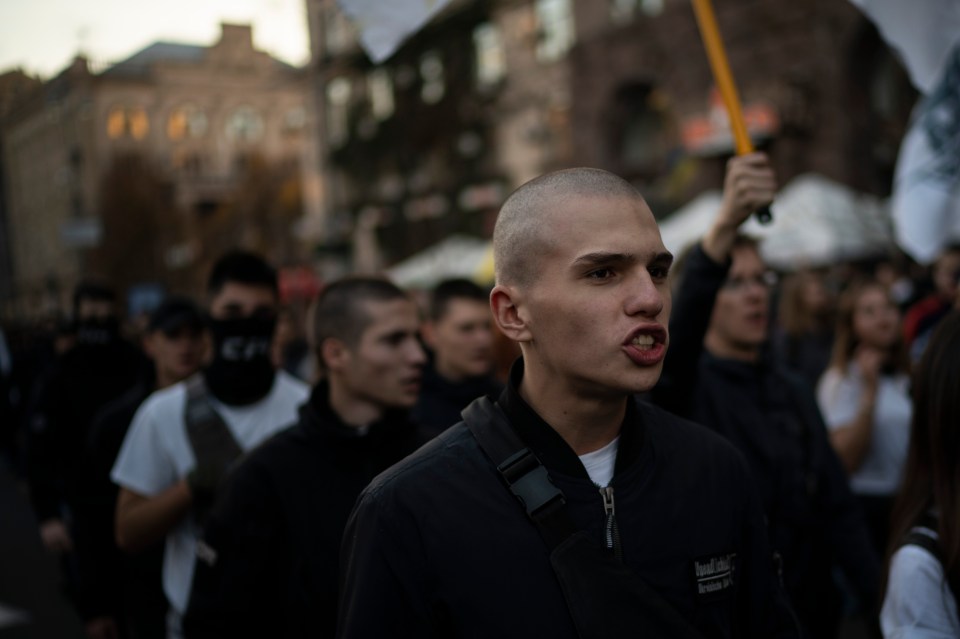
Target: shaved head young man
[{"x": 627, "y": 516}]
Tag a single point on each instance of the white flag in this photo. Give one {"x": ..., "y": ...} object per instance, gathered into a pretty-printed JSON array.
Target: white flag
[
  {"x": 926, "y": 189},
  {"x": 385, "y": 24}
]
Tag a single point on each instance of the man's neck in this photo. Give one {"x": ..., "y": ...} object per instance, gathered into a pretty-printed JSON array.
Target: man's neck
[
  {"x": 352, "y": 410},
  {"x": 725, "y": 350},
  {"x": 585, "y": 424},
  {"x": 447, "y": 372}
]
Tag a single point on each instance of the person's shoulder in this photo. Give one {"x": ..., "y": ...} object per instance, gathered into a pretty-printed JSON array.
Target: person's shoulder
[
  {"x": 912, "y": 566},
  {"x": 171, "y": 398},
  {"x": 449, "y": 456},
  {"x": 683, "y": 439},
  {"x": 289, "y": 387}
]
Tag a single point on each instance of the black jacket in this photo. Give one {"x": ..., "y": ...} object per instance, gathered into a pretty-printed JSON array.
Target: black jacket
[
  {"x": 437, "y": 546},
  {"x": 125, "y": 586},
  {"x": 771, "y": 416},
  {"x": 268, "y": 561},
  {"x": 83, "y": 381},
  {"x": 441, "y": 401}
]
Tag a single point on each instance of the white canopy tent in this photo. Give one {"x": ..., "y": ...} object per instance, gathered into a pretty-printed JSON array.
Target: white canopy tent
[
  {"x": 816, "y": 222},
  {"x": 455, "y": 256}
]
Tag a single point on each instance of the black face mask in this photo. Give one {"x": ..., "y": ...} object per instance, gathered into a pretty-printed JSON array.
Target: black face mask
[
  {"x": 98, "y": 331},
  {"x": 241, "y": 371}
]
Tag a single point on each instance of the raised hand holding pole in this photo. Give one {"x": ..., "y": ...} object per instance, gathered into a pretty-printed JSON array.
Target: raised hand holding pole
[{"x": 710, "y": 34}]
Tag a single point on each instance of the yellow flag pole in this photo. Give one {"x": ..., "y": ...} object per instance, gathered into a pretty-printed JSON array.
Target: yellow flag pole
[{"x": 710, "y": 33}]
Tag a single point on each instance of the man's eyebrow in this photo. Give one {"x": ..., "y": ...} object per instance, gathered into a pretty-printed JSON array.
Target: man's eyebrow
[
  {"x": 601, "y": 257},
  {"x": 665, "y": 258}
]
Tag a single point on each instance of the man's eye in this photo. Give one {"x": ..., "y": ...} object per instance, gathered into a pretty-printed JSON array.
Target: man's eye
[
  {"x": 659, "y": 272},
  {"x": 600, "y": 274}
]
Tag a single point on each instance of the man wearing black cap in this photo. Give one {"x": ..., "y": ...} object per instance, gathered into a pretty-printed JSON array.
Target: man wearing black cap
[{"x": 117, "y": 590}]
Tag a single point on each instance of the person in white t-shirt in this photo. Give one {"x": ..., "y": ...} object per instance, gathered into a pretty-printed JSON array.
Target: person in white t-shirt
[
  {"x": 168, "y": 475},
  {"x": 923, "y": 574},
  {"x": 865, "y": 400}
]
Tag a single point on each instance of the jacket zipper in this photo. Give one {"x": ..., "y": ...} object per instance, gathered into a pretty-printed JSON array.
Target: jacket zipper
[{"x": 612, "y": 532}]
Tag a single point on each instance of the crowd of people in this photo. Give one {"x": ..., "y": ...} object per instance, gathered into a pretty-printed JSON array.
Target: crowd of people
[{"x": 685, "y": 446}]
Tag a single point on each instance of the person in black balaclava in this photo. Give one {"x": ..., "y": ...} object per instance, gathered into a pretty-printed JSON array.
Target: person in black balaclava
[
  {"x": 99, "y": 368},
  {"x": 185, "y": 438}
]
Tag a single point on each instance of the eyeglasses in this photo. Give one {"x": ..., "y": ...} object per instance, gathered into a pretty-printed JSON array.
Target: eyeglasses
[{"x": 764, "y": 280}]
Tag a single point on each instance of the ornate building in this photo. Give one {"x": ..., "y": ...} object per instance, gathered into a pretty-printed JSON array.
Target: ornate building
[{"x": 142, "y": 171}]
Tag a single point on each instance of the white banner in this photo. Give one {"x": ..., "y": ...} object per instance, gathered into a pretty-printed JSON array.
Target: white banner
[
  {"x": 385, "y": 24},
  {"x": 926, "y": 189}
]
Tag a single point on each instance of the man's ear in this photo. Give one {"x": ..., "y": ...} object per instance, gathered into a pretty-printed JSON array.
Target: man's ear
[
  {"x": 334, "y": 354},
  {"x": 505, "y": 302}
]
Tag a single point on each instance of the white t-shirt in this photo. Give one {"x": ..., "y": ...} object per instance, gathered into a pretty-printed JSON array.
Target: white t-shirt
[
  {"x": 918, "y": 603},
  {"x": 600, "y": 463},
  {"x": 156, "y": 453},
  {"x": 839, "y": 399}
]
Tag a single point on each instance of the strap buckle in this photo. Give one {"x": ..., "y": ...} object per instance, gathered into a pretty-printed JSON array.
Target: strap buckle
[{"x": 531, "y": 484}]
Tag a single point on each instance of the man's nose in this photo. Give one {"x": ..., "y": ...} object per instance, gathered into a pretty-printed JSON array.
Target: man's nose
[
  {"x": 645, "y": 297},
  {"x": 415, "y": 354}
]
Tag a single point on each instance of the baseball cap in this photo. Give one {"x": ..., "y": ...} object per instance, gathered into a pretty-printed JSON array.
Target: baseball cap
[{"x": 174, "y": 313}]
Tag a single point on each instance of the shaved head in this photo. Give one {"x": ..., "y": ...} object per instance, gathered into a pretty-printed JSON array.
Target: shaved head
[{"x": 519, "y": 235}]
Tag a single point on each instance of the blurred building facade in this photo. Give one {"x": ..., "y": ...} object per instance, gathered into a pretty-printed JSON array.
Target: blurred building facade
[
  {"x": 494, "y": 92},
  {"x": 144, "y": 169}
]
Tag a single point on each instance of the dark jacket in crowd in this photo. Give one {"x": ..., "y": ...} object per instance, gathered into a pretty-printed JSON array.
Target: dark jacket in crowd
[
  {"x": 441, "y": 401},
  {"x": 84, "y": 379},
  {"x": 771, "y": 416},
  {"x": 268, "y": 562},
  {"x": 125, "y": 587},
  {"x": 438, "y": 547}
]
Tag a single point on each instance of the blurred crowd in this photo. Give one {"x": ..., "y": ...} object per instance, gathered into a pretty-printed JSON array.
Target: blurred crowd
[{"x": 193, "y": 469}]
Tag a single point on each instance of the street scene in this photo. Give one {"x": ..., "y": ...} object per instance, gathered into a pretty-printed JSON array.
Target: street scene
[{"x": 476, "y": 318}]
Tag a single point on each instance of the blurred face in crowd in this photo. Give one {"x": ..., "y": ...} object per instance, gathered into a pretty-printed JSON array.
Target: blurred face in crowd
[
  {"x": 946, "y": 275},
  {"x": 383, "y": 369},
  {"x": 236, "y": 300},
  {"x": 593, "y": 317},
  {"x": 95, "y": 309},
  {"x": 462, "y": 339},
  {"x": 738, "y": 326},
  {"x": 876, "y": 320},
  {"x": 176, "y": 355}
]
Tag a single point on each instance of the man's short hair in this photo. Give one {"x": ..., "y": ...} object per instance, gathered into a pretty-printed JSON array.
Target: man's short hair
[
  {"x": 241, "y": 267},
  {"x": 453, "y": 289},
  {"x": 517, "y": 235},
  {"x": 340, "y": 310}
]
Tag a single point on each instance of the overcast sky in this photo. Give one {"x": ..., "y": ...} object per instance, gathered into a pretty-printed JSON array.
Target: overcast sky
[{"x": 42, "y": 36}]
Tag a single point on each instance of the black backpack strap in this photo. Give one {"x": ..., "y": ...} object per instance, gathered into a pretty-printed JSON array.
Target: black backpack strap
[
  {"x": 210, "y": 437},
  {"x": 521, "y": 471},
  {"x": 606, "y": 599},
  {"x": 924, "y": 535}
]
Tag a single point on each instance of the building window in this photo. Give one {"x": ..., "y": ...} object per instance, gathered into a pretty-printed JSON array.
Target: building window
[
  {"x": 338, "y": 115},
  {"x": 339, "y": 34},
  {"x": 431, "y": 74},
  {"x": 186, "y": 122},
  {"x": 622, "y": 11},
  {"x": 380, "y": 87},
  {"x": 294, "y": 120},
  {"x": 491, "y": 63},
  {"x": 127, "y": 121},
  {"x": 245, "y": 124},
  {"x": 555, "y": 20}
]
